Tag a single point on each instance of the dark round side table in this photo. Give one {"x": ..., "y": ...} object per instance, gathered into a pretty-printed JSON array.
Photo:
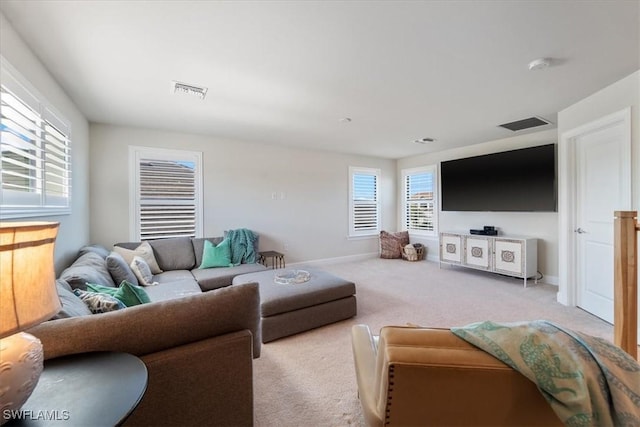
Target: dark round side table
[{"x": 89, "y": 389}]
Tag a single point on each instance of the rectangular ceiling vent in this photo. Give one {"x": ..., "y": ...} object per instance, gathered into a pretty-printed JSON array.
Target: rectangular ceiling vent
[
  {"x": 177, "y": 87},
  {"x": 531, "y": 122}
]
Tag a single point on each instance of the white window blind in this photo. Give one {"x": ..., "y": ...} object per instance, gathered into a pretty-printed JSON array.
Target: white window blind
[
  {"x": 419, "y": 200},
  {"x": 364, "y": 202},
  {"x": 35, "y": 153},
  {"x": 167, "y": 195}
]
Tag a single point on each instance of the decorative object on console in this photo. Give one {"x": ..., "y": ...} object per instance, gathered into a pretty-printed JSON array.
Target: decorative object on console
[
  {"x": 28, "y": 297},
  {"x": 488, "y": 230}
]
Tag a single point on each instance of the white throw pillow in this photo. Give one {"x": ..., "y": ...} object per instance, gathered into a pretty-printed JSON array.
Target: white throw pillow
[{"x": 142, "y": 271}]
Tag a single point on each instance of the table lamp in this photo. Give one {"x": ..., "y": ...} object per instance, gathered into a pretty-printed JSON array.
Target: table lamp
[{"x": 28, "y": 296}]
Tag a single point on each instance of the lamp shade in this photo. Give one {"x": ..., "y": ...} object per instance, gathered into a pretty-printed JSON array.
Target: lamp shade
[{"x": 28, "y": 294}]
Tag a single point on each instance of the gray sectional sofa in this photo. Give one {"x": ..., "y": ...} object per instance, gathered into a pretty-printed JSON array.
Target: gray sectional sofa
[
  {"x": 179, "y": 259},
  {"x": 198, "y": 346}
]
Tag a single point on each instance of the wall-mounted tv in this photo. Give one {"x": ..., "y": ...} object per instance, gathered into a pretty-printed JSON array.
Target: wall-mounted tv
[{"x": 523, "y": 180}]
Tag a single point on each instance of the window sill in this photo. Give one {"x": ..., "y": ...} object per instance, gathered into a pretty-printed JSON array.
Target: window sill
[
  {"x": 8, "y": 213},
  {"x": 364, "y": 237}
]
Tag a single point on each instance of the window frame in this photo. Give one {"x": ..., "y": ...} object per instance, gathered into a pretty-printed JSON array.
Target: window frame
[
  {"x": 404, "y": 175},
  {"x": 50, "y": 156},
  {"x": 353, "y": 172},
  {"x": 138, "y": 153}
]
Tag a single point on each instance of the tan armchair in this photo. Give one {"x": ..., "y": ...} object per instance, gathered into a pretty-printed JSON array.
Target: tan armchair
[{"x": 429, "y": 377}]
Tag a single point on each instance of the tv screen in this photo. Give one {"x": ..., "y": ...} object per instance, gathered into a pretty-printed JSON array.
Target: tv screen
[{"x": 511, "y": 181}]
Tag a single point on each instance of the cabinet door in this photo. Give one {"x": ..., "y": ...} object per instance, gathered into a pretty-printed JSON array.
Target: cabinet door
[
  {"x": 477, "y": 252},
  {"x": 509, "y": 257},
  {"x": 451, "y": 248}
]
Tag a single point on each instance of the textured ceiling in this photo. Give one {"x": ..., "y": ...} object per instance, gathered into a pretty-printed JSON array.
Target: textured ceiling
[{"x": 286, "y": 72}]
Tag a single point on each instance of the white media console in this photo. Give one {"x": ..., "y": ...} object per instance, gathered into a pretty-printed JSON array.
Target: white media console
[{"x": 508, "y": 255}]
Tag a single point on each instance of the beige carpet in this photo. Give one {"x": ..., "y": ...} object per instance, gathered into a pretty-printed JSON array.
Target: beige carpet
[{"x": 308, "y": 379}]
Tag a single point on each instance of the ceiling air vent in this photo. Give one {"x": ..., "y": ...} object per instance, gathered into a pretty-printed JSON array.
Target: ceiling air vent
[
  {"x": 177, "y": 87},
  {"x": 531, "y": 122}
]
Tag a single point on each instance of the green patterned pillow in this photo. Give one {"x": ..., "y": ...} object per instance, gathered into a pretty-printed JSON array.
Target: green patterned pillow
[
  {"x": 127, "y": 293},
  {"x": 97, "y": 302}
]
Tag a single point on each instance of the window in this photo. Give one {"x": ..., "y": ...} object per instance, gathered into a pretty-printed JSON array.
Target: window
[
  {"x": 35, "y": 152},
  {"x": 419, "y": 201},
  {"x": 364, "y": 202},
  {"x": 166, "y": 193}
]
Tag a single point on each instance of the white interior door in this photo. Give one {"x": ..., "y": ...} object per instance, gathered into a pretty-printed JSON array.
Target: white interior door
[{"x": 602, "y": 187}]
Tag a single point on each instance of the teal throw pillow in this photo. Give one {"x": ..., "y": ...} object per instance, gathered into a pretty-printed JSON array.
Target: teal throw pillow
[
  {"x": 127, "y": 293},
  {"x": 216, "y": 256}
]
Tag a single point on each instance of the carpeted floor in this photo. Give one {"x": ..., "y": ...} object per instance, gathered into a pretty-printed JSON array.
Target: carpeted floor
[{"x": 309, "y": 380}]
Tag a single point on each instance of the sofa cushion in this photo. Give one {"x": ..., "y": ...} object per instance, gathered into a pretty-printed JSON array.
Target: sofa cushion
[
  {"x": 127, "y": 293},
  {"x": 119, "y": 269},
  {"x": 216, "y": 255},
  {"x": 214, "y": 278},
  {"x": 72, "y": 306},
  {"x": 99, "y": 303},
  {"x": 173, "y": 276},
  {"x": 174, "y": 254},
  {"x": 143, "y": 250},
  {"x": 89, "y": 268},
  {"x": 176, "y": 288},
  {"x": 198, "y": 247}
]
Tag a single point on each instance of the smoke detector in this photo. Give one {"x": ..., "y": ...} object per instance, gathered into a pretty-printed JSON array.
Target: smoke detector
[
  {"x": 539, "y": 64},
  {"x": 178, "y": 87}
]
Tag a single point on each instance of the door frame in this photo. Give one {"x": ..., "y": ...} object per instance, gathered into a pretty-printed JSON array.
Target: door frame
[{"x": 567, "y": 244}]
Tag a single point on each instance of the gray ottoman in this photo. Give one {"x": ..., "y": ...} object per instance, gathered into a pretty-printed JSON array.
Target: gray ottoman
[{"x": 290, "y": 309}]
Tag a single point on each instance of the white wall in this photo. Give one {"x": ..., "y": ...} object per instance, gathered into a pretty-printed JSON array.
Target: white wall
[
  {"x": 542, "y": 225},
  {"x": 74, "y": 228},
  {"x": 616, "y": 97},
  {"x": 239, "y": 180}
]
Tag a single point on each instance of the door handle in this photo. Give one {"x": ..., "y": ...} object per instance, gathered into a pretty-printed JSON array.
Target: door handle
[{"x": 579, "y": 230}]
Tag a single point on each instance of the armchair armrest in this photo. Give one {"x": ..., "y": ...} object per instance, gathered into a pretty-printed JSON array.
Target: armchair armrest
[
  {"x": 153, "y": 327},
  {"x": 364, "y": 355}
]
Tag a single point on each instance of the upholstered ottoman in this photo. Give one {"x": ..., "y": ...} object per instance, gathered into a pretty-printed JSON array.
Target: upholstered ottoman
[{"x": 288, "y": 309}]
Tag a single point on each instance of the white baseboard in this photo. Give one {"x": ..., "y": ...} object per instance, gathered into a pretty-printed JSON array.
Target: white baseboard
[
  {"x": 337, "y": 260},
  {"x": 549, "y": 280}
]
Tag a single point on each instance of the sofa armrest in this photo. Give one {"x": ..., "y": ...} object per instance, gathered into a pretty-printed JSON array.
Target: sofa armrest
[{"x": 150, "y": 328}]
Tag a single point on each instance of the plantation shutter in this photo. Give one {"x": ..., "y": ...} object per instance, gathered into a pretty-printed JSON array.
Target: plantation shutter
[
  {"x": 57, "y": 165},
  {"x": 365, "y": 204},
  {"x": 419, "y": 201},
  {"x": 35, "y": 155},
  {"x": 167, "y": 199}
]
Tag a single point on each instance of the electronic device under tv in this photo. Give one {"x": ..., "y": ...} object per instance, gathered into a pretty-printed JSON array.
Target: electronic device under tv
[{"x": 523, "y": 180}]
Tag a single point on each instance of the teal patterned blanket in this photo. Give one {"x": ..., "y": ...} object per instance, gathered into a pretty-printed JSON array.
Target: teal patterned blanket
[
  {"x": 587, "y": 380},
  {"x": 242, "y": 246}
]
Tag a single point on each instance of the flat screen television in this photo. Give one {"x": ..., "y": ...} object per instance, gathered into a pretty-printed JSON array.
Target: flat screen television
[{"x": 523, "y": 180}]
